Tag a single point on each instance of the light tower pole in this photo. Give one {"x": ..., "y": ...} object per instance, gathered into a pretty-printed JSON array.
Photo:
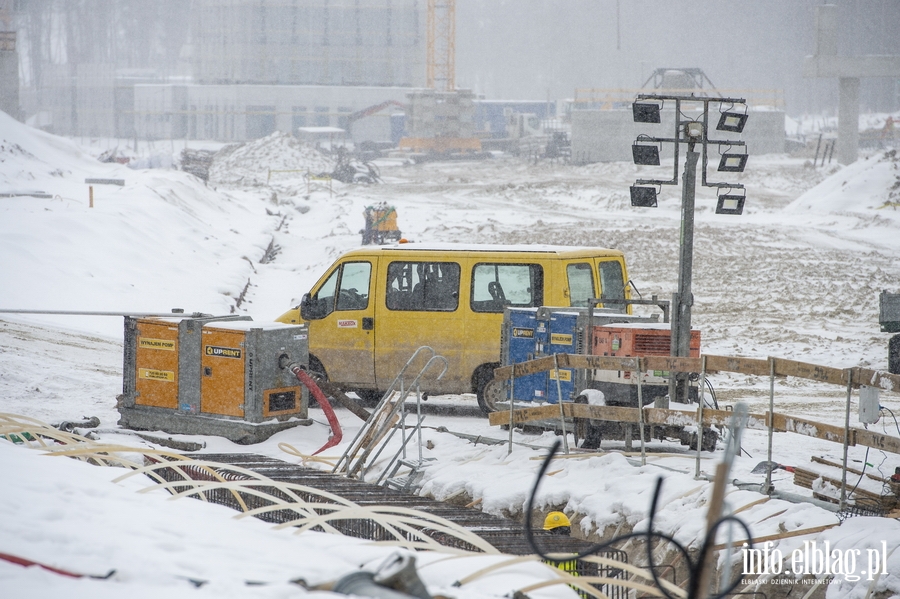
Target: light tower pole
[{"x": 645, "y": 150}]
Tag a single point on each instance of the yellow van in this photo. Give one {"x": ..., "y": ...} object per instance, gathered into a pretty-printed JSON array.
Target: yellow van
[{"x": 375, "y": 306}]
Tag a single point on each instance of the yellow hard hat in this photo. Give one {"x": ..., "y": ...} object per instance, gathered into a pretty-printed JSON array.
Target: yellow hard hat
[{"x": 555, "y": 520}]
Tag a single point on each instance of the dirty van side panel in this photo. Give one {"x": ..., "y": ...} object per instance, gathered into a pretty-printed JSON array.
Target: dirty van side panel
[
  {"x": 421, "y": 306},
  {"x": 344, "y": 339}
]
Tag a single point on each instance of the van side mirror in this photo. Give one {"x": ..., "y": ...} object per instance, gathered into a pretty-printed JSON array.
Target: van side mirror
[{"x": 311, "y": 309}]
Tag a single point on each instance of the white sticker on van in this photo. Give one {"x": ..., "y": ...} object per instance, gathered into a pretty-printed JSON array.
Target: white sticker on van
[{"x": 347, "y": 324}]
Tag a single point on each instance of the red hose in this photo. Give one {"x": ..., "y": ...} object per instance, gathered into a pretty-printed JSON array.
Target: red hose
[
  {"x": 336, "y": 433},
  {"x": 15, "y": 559}
]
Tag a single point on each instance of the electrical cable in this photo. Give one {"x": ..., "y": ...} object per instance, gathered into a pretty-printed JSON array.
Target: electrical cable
[
  {"x": 892, "y": 416},
  {"x": 695, "y": 567},
  {"x": 863, "y": 473},
  {"x": 712, "y": 394}
]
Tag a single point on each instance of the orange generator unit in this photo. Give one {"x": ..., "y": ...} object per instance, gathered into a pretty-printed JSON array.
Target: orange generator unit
[
  {"x": 225, "y": 376},
  {"x": 623, "y": 340}
]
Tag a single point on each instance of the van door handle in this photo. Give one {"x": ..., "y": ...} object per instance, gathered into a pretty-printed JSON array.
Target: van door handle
[{"x": 368, "y": 323}]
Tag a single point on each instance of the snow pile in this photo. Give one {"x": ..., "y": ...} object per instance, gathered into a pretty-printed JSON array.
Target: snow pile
[
  {"x": 163, "y": 240},
  {"x": 868, "y": 185},
  {"x": 32, "y": 160},
  {"x": 248, "y": 164}
]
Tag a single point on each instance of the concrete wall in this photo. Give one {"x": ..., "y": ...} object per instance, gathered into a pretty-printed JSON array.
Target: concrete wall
[{"x": 607, "y": 135}]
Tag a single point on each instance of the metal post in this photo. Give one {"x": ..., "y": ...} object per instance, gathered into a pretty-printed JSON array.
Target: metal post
[
  {"x": 843, "y": 504},
  {"x": 641, "y": 412},
  {"x": 559, "y": 399},
  {"x": 512, "y": 395},
  {"x": 91, "y": 196},
  {"x": 700, "y": 416},
  {"x": 767, "y": 487},
  {"x": 681, "y": 321},
  {"x": 674, "y": 324}
]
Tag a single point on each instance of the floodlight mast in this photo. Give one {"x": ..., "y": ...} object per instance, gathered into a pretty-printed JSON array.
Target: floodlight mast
[{"x": 692, "y": 133}]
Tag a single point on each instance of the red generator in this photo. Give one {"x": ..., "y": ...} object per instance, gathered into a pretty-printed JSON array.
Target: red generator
[{"x": 624, "y": 340}]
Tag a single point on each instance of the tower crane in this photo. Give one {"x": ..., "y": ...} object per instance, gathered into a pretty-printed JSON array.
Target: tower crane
[{"x": 440, "y": 67}]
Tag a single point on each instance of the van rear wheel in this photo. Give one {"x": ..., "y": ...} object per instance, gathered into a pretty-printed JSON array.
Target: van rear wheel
[
  {"x": 492, "y": 394},
  {"x": 481, "y": 381}
]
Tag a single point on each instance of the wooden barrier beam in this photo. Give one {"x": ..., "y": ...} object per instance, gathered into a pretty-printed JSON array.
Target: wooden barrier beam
[
  {"x": 741, "y": 365},
  {"x": 597, "y": 362},
  {"x": 810, "y": 428},
  {"x": 750, "y": 366},
  {"x": 868, "y": 438},
  {"x": 659, "y": 416},
  {"x": 671, "y": 364},
  {"x": 876, "y": 378},
  {"x": 813, "y": 372},
  {"x": 523, "y": 415},
  {"x": 504, "y": 373}
]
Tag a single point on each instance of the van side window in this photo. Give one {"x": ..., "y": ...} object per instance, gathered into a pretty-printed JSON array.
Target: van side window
[
  {"x": 423, "y": 286},
  {"x": 612, "y": 283},
  {"x": 581, "y": 284},
  {"x": 351, "y": 280},
  {"x": 495, "y": 286},
  {"x": 354, "y": 293}
]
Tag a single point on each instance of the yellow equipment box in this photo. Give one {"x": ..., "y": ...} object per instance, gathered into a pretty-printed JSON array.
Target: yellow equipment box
[{"x": 224, "y": 376}]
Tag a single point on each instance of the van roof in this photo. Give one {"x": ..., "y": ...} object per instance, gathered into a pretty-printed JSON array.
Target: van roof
[{"x": 561, "y": 251}]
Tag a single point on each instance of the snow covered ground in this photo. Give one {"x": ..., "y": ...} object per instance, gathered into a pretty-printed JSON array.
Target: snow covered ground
[{"x": 797, "y": 276}]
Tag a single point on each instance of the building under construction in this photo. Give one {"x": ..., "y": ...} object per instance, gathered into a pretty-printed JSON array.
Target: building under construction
[{"x": 239, "y": 70}]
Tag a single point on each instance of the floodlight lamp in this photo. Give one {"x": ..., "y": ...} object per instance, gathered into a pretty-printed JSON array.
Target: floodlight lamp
[
  {"x": 646, "y": 155},
  {"x": 732, "y": 163},
  {"x": 693, "y": 130},
  {"x": 645, "y": 112},
  {"x": 643, "y": 197},
  {"x": 732, "y": 121},
  {"x": 729, "y": 203}
]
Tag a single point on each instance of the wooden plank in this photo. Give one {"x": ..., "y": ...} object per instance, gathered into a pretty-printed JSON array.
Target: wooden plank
[
  {"x": 524, "y": 415},
  {"x": 876, "y": 378},
  {"x": 611, "y": 413},
  {"x": 812, "y": 372},
  {"x": 671, "y": 364},
  {"x": 751, "y": 366},
  {"x": 337, "y": 394},
  {"x": 868, "y": 438},
  {"x": 741, "y": 365},
  {"x": 504, "y": 373},
  {"x": 809, "y": 428},
  {"x": 597, "y": 362},
  {"x": 750, "y": 505},
  {"x": 823, "y": 461},
  {"x": 781, "y": 535},
  {"x": 808, "y": 477}
]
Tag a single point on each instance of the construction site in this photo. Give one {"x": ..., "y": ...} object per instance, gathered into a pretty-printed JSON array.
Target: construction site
[
  {"x": 381, "y": 75},
  {"x": 289, "y": 310}
]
